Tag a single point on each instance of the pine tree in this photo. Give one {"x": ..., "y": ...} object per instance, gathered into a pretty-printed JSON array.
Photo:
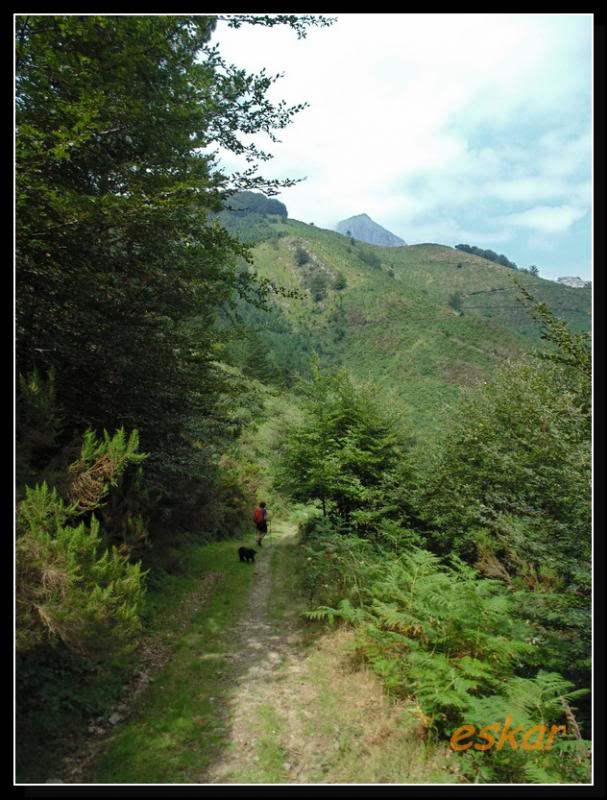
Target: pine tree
[{"x": 343, "y": 454}]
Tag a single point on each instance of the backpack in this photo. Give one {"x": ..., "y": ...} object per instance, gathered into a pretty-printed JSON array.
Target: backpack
[{"x": 258, "y": 516}]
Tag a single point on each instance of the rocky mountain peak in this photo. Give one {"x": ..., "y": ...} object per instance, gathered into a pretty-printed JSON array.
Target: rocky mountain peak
[{"x": 364, "y": 229}]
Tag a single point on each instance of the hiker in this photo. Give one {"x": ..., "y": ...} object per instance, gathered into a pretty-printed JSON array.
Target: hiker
[{"x": 260, "y": 516}]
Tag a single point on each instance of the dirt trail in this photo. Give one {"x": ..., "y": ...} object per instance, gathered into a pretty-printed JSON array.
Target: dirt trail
[
  {"x": 266, "y": 658},
  {"x": 293, "y": 706},
  {"x": 299, "y": 709}
]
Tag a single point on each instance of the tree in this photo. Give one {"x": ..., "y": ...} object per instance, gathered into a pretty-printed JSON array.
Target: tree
[
  {"x": 244, "y": 203},
  {"x": 490, "y": 255},
  {"x": 510, "y": 489},
  {"x": 344, "y": 454},
  {"x": 120, "y": 270}
]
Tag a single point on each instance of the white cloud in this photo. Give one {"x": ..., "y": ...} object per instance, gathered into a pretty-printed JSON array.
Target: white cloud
[
  {"x": 418, "y": 118},
  {"x": 539, "y": 187},
  {"x": 545, "y": 219},
  {"x": 449, "y": 230}
]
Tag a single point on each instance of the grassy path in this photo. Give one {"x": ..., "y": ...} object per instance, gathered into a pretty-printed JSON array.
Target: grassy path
[{"x": 250, "y": 693}]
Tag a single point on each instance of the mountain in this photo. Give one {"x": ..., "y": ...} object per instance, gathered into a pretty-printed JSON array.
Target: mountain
[
  {"x": 421, "y": 323},
  {"x": 246, "y": 215},
  {"x": 363, "y": 228}
]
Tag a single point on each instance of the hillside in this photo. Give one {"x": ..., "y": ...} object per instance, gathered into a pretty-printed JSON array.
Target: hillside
[
  {"x": 419, "y": 322},
  {"x": 186, "y": 355}
]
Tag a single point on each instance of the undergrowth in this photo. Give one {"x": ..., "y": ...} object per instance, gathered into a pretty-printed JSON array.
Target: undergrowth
[{"x": 455, "y": 642}]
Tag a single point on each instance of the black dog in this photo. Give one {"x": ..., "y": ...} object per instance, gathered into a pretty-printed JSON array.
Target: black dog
[{"x": 246, "y": 554}]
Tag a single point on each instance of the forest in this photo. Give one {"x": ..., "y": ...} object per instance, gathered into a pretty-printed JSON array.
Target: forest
[{"x": 184, "y": 348}]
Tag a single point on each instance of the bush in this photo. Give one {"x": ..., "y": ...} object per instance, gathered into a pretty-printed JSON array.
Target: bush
[
  {"x": 301, "y": 256},
  {"x": 455, "y": 643},
  {"x": 455, "y": 301},
  {"x": 70, "y": 588},
  {"x": 340, "y": 282},
  {"x": 39, "y": 422}
]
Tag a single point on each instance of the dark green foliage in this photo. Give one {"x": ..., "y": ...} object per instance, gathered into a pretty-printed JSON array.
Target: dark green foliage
[
  {"x": 510, "y": 491},
  {"x": 120, "y": 269},
  {"x": 78, "y": 602},
  {"x": 340, "y": 282},
  {"x": 455, "y": 301},
  {"x": 69, "y": 586},
  {"x": 106, "y": 265},
  {"x": 345, "y": 454},
  {"x": 243, "y": 203},
  {"x": 318, "y": 283},
  {"x": 456, "y": 643},
  {"x": 299, "y": 22},
  {"x": 39, "y": 423},
  {"x": 490, "y": 255},
  {"x": 57, "y": 692},
  {"x": 507, "y": 490},
  {"x": 301, "y": 256},
  {"x": 121, "y": 274}
]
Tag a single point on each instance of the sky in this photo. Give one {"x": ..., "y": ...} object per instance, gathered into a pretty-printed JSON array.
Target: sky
[{"x": 443, "y": 128}]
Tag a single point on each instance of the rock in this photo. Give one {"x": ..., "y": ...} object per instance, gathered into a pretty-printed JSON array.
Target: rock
[
  {"x": 115, "y": 718},
  {"x": 363, "y": 228},
  {"x": 575, "y": 282}
]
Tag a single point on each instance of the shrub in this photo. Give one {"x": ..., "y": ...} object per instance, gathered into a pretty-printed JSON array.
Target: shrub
[
  {"x": 454, "y": 642},
  {"x": 69, "y": 586},
  {"x": 301, "y": 256},
  {"x": 340, "y": 282},
  {"x": 39, "y": 422}
]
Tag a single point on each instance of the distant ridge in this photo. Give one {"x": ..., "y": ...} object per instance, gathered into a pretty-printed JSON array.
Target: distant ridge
[{"x": 363, "y": 228}]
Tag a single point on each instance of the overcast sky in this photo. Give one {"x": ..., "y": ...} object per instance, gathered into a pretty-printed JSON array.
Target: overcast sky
[{"x": 446, "y": 128}]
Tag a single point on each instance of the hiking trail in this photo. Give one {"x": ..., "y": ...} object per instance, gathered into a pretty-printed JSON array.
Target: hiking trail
[{"x": 288, "y": 704}]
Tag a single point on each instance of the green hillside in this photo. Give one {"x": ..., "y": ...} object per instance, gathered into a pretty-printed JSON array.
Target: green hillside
[
  {"x": 187, "y": 356},
  {"x": 418, "y": 322}
]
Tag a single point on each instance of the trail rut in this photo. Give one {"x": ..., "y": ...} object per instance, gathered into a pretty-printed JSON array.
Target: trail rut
[{"x": 266, "y": 659}]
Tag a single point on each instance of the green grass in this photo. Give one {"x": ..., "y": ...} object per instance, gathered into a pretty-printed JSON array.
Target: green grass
[
  {"x": 180, "y": 724},
  {"x": 393, "y": 325},
  {"x": 352, "y": 732}
]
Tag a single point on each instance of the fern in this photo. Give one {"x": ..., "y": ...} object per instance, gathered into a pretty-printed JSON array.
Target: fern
[{"x": 454, "y": 641}]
